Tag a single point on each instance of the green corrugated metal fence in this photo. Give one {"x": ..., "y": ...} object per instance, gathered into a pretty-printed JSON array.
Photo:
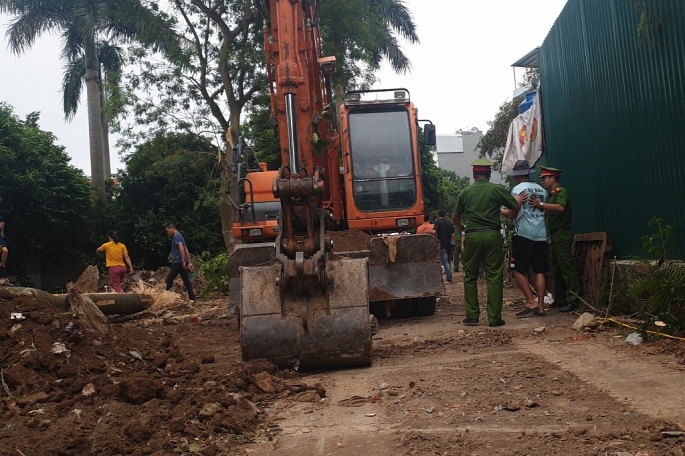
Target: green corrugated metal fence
[{"x": 614, "y": 118}]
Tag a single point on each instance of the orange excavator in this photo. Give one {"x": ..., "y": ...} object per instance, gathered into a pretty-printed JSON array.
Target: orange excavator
[{"x": 299, "y": 301}]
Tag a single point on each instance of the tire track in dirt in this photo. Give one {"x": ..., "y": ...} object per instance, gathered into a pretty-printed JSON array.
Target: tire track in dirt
[{"x": 646, "y": 387}]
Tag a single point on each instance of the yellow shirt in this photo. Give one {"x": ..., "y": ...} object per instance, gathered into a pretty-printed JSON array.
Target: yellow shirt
[{"x": 114, "y": 253}]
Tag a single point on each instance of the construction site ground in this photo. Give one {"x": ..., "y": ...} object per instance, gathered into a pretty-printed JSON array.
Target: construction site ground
[{"x": 174, "y": 383}]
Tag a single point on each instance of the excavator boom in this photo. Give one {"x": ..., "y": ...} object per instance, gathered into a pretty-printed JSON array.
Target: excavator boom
[{"x": 308, "y": 307}]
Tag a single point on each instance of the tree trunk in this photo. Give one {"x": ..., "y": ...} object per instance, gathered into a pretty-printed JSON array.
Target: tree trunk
[
  {"x": 109, "y": 303},
  {"x": 97, "y": 170},
  {"x": 105, "y": 136},
  {"x": 229, "y": 185}
]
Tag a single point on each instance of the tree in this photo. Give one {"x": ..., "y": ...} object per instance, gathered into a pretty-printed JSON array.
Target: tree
[
  {"x": 81, "y": 23},
  {"x": 47, "y": 206},
  {"x": 222, "y": 76},
  {"x": 494, "y": 141},
  {"x": 441, "y": 188},
  {"x": 171, "y": 178}
]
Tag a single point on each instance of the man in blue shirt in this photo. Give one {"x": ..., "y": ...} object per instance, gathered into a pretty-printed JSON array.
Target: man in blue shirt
[
  {"x": 180, "y": 258},
  {"x": 529, "y": 246}
]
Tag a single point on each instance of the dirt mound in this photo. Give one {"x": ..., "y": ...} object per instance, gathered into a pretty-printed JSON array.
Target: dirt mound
[
  {"x": 350, "y": 240},
  {"x": 133, "y": 391}
]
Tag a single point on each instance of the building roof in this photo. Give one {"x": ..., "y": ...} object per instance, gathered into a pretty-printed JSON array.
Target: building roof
[{"x": 529, "y": 60}]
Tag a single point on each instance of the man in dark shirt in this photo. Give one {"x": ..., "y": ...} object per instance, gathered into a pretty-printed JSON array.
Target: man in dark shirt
[
  {"x": 445, "y": 233},
  {"x": 180, "y": 257}
]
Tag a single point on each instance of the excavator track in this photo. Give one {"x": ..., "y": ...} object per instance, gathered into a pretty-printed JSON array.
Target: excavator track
[{"x": 321, "y": 327}]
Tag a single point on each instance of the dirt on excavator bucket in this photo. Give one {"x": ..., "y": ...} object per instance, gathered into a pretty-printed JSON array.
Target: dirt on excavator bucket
[
  {"x": 405, "y": 275},
  {"x": 324, "y": 327}
]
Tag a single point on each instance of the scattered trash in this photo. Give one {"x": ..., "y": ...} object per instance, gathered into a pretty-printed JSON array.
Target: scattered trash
[
  {"x": 549, "y": 299},
  {"x": 384, "y": 386},
  {"x": 14, "y": 329},
  {"x": 672, "y": 433},
  {"x": 634, "y": 338},
  {"x": 72, "y": 328},
  {"x": 76, "y": 412},
  {"x": 136, "y": 355},
  {"x": 59, "y": 348},
  {"x": 17, "y": 316},
  {"x": 36, "y": 412},
  {"x": 660, "y": 323},
  {"x": 88, "y": 390},
  {"x": 498, "y": 408},
  {"x": 370, "y": 415}
]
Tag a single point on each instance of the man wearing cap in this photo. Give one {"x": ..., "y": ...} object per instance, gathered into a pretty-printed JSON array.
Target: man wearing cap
[
  {"x": 478, "y": 207},
  {"x": 529, "y": 246},
  {"x": 558, "y": 214}
]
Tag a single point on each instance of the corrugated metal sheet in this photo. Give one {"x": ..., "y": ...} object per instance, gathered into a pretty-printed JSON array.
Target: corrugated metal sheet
[{"x": 614, "y": 118}]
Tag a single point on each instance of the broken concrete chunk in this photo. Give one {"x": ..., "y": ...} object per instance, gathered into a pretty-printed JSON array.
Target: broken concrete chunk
[{"x": 586, "y": 320}]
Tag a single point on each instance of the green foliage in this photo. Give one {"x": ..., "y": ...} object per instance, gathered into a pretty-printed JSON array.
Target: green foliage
[
  {"x": 170, "y": 179},
  {"x": 260, "y": 132},
  {"x": 658, "y": 243},
  {"x": 214, "y": 271},
  {"x": 441, "y": 188},
  {"x": 493, "y": 142},
  {"x": 648, "y": 25},
  {"x": 47, "y": 206},
  {"x": 659, "y": 293}
]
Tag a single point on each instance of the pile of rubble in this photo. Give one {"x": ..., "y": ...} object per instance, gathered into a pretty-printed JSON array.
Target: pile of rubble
[{"x": 131, "y": 390}]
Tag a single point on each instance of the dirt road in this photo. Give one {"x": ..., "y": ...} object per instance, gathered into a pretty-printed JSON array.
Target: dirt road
[
  {"x": 175, "y": 385},
  {"x": 438, "y": 387}
]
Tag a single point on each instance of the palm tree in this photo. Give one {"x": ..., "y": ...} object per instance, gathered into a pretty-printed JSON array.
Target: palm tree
[
  {"x": 82, "y": 24},
  {"x": 397, "y": 20},
  {"x": 111, "y": 59}
]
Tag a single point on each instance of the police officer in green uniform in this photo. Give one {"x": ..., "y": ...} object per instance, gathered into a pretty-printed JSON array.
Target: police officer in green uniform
[
  {"x": 478, "y": 207},
  {"x": 558, "y": 212}
]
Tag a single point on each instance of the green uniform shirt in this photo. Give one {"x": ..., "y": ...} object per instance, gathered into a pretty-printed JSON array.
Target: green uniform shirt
[
  {"x": 559, "y": 220},
  {"x": 479, "y": 204}
]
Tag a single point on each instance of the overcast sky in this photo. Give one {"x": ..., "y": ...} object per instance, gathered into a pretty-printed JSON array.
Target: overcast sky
[{"x": 461, "y": 69}]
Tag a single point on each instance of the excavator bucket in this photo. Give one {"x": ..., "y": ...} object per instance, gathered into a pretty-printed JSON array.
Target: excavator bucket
[
  {"x": 404, "y": 267},
  {"x": 246, "y": 255},
  {"x": 321, "y": 327}
]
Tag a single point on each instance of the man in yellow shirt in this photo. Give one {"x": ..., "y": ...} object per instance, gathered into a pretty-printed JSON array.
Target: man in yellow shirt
[{"x": 117, "y": 258}]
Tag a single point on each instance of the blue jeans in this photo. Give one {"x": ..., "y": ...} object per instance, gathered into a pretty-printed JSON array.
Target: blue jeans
[{"x": 445, "y": 260}]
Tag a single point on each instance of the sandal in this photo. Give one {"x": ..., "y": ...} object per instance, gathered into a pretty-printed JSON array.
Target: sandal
[
  {"x": 538, "y": 313},
  {"x": 526, "y": 311}
]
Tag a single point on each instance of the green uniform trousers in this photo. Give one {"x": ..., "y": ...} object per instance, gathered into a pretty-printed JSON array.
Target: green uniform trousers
[
  {"x": 564, "y": 274},
  {"x": 483, "y": 246}
]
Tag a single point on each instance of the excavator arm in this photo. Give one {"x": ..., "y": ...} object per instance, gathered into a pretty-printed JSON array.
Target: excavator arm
[{"x": 308, "y": 307}]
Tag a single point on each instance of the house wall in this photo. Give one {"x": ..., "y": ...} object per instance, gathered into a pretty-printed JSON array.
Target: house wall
[{"x": 456, "y": 153}]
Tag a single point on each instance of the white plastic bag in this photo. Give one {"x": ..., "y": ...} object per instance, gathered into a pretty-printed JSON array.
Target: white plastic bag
[{"x": 634, "y": 338}]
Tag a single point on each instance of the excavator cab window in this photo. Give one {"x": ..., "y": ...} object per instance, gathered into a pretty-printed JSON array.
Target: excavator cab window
[{"x": 382, "y": 160}]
